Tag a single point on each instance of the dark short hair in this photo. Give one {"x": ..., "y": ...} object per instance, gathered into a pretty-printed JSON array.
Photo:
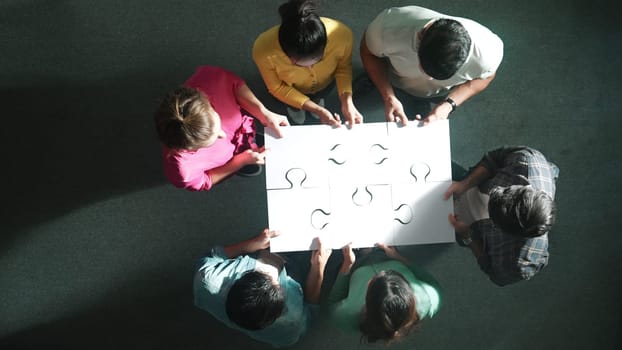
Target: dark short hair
[
  {"x": 185, "y": 119},
  {"x": 302, "y": 33},
  {"x": 444, "y": 48},
  {"x": 254, "y": 301},
  {"x": 522, "y": 210},
  {"x": 390, "y": 308}
]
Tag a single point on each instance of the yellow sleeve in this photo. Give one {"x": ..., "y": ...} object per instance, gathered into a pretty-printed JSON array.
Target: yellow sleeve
[
  {"x": 343, "y": 73},
  {"x": 265, "y": 49}
]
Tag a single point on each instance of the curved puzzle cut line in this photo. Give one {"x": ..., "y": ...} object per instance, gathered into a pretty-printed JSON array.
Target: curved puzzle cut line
[
  {"x": 333, "y": 159},
  {"x": 410, "y": 217},
  {"x": 377, "y": 145},
  {"x": 425, "y": 177},
  {"x": 364, "y": 203},
  {"x": 287, "y": 175},
  {"x": 313, "y": 214}
]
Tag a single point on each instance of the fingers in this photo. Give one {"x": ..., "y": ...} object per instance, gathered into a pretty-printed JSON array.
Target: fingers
[
  {"x": 272, "y": 233},
  {"x": 277, "y": 130},
  {"x": 382, "y": 246},
  {"x": 450, "y": 190},
  {"x": 452, "y": 220},
  {"x": 402, "y": 117}
]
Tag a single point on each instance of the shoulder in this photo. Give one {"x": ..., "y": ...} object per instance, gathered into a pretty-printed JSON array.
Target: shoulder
[
  {"x": 267, "y": 40},
  {"x": 333, "y": 25},
  {"x": 210, "y": 74}
]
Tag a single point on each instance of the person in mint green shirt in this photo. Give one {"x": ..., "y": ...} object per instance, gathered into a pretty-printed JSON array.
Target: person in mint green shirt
[{"x": 383, "y": 295}]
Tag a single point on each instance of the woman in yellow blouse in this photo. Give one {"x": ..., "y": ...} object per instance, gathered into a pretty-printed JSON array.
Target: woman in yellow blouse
[{"x": 301, "y": 59}]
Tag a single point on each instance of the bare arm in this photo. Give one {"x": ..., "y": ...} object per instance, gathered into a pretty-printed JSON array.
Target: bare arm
[
  {"x": 247, "y": 100},
  {"x": 476, "y": 177},
  {"x": 313, "y": 287},
  {"x": 261, "y": 241},
  {"x": 257, "y": 156},
  {"x": 376, "y": 68},
  {"x": 459, "y": 94}
]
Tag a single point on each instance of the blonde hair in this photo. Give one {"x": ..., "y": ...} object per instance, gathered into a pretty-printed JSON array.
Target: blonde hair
[{"x": 186, "y": 120}]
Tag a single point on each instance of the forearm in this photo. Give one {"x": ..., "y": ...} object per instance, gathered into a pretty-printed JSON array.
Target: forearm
[
  {"x": 476, "y": 177},
  {"x": 247, "y": 100},
  {"x": 244, "y": 247},
  {"x": 313, "y": 286},
  {"x": 376, "y": 68},
  {"x": 461, "y": 93},
  {"x": 222, "y": 172},
  {"x": 312, "y": 107}
]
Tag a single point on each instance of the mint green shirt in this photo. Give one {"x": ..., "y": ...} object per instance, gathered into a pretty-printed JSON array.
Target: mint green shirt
[{"x": 347, "y": 297}]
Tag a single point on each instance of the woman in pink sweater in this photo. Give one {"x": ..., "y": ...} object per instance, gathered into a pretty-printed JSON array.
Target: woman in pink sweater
[{"x": 205, "y": 135}]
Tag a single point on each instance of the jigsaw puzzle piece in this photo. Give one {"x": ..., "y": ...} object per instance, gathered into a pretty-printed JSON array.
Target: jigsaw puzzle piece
[
  {"x": 428, "y": 223},
  {"x": 359, "y": 154},
  {"x": 360, "y": 215},
  {"x": 414, "y": 145},
  {"x": 291, "y": 211},
  {"x": 300, "y": 148}
]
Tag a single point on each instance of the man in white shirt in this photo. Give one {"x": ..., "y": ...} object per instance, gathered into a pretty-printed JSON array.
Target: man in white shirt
[{"x": 431, "y": 56}]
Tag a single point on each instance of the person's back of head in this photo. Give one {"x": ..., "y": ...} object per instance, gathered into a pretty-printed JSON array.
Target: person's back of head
[
  {"x": 390, "y": 308},
  {"x": 254, "y": 301},
  {"x": 302, "y": 34},
  {"x": 522, "y": 210},
  {"x": 186, "y": 120},
  {"x": 444, "y": 48}
]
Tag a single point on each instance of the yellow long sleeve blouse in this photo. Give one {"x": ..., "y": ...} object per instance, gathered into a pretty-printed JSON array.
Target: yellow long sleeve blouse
[{"x": 290, "y": 83}]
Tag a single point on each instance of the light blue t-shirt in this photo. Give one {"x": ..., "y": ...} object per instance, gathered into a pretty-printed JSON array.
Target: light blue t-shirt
[{"x": 216, "y": 275}]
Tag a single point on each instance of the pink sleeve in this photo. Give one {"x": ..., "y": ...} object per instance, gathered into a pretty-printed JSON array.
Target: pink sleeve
[{"x": 187, "y": 171}]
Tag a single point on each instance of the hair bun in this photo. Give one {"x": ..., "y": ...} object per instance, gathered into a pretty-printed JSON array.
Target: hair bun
[{"x": 298, "y": 10}]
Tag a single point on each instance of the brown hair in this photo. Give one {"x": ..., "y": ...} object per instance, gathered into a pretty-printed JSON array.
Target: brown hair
[
  {"x": 186, "y": 120},
  {"x": 390, "y": 308}
]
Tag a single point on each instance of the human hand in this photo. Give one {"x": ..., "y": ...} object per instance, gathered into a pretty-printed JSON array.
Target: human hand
[
  {"x": 349, "y": 111},
  {"x": 394, "y": 110},
  {"x": 251, "y": 156},
  {"x": 391, "y": 252},
  {"x": 348, "y": 258},
  {"x": 439, "y": 112},
  {"x": 460, "y": 227},
  {"x": 319, "y": 257},
  {"x": 275, "y": 122},
  {"x": 262, "y": 241},
  {"x": 456, "y": 188},
  {"x": 326, "y": 117}
]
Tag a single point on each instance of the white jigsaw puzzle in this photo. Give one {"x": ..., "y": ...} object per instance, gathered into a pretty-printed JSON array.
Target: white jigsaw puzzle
[{"x": 374, "y": 183}]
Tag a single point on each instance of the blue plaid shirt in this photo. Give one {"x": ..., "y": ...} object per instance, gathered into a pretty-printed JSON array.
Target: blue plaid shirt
[{"x": 508, "y": 258}]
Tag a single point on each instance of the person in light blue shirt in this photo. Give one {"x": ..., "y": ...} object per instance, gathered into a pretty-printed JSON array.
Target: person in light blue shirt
[{"x": 254, "y": 294}]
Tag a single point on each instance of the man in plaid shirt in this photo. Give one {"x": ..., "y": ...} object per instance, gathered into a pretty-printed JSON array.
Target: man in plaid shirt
[{"x": 504, "y": 211}]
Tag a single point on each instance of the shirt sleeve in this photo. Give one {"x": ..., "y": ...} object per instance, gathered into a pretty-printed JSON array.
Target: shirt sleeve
[
  {"x": 340, "y": 288},
  {"x": 373, "y": 35},
  {"x": 268, "y": 70},
  {"x": 343, "y": 72},
  {"x": 184, "y": 173},
  {"x": 496, "y": 159}
]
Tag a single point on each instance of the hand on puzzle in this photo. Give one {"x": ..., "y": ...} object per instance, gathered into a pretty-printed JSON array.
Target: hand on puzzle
[
  {"x": 460, "y": 227},
  {"x": 395, "y": 111},
  {"x": 275, "y": 122},
  {"x": 320, "y": 256},
  {"x": 351, "y": 114},
  {"x": 327, "y": 118},
  {"x": 456, "y": 188},
  {"x": 348, "y": 258},
  {"x": 250, "y": 156},
  {"x": 262, "y": 241},
  {"x": 439, "y": 112}
]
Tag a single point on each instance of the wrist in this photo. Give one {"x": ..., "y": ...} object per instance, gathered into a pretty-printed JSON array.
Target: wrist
[{"x": 451, "y": 103}]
